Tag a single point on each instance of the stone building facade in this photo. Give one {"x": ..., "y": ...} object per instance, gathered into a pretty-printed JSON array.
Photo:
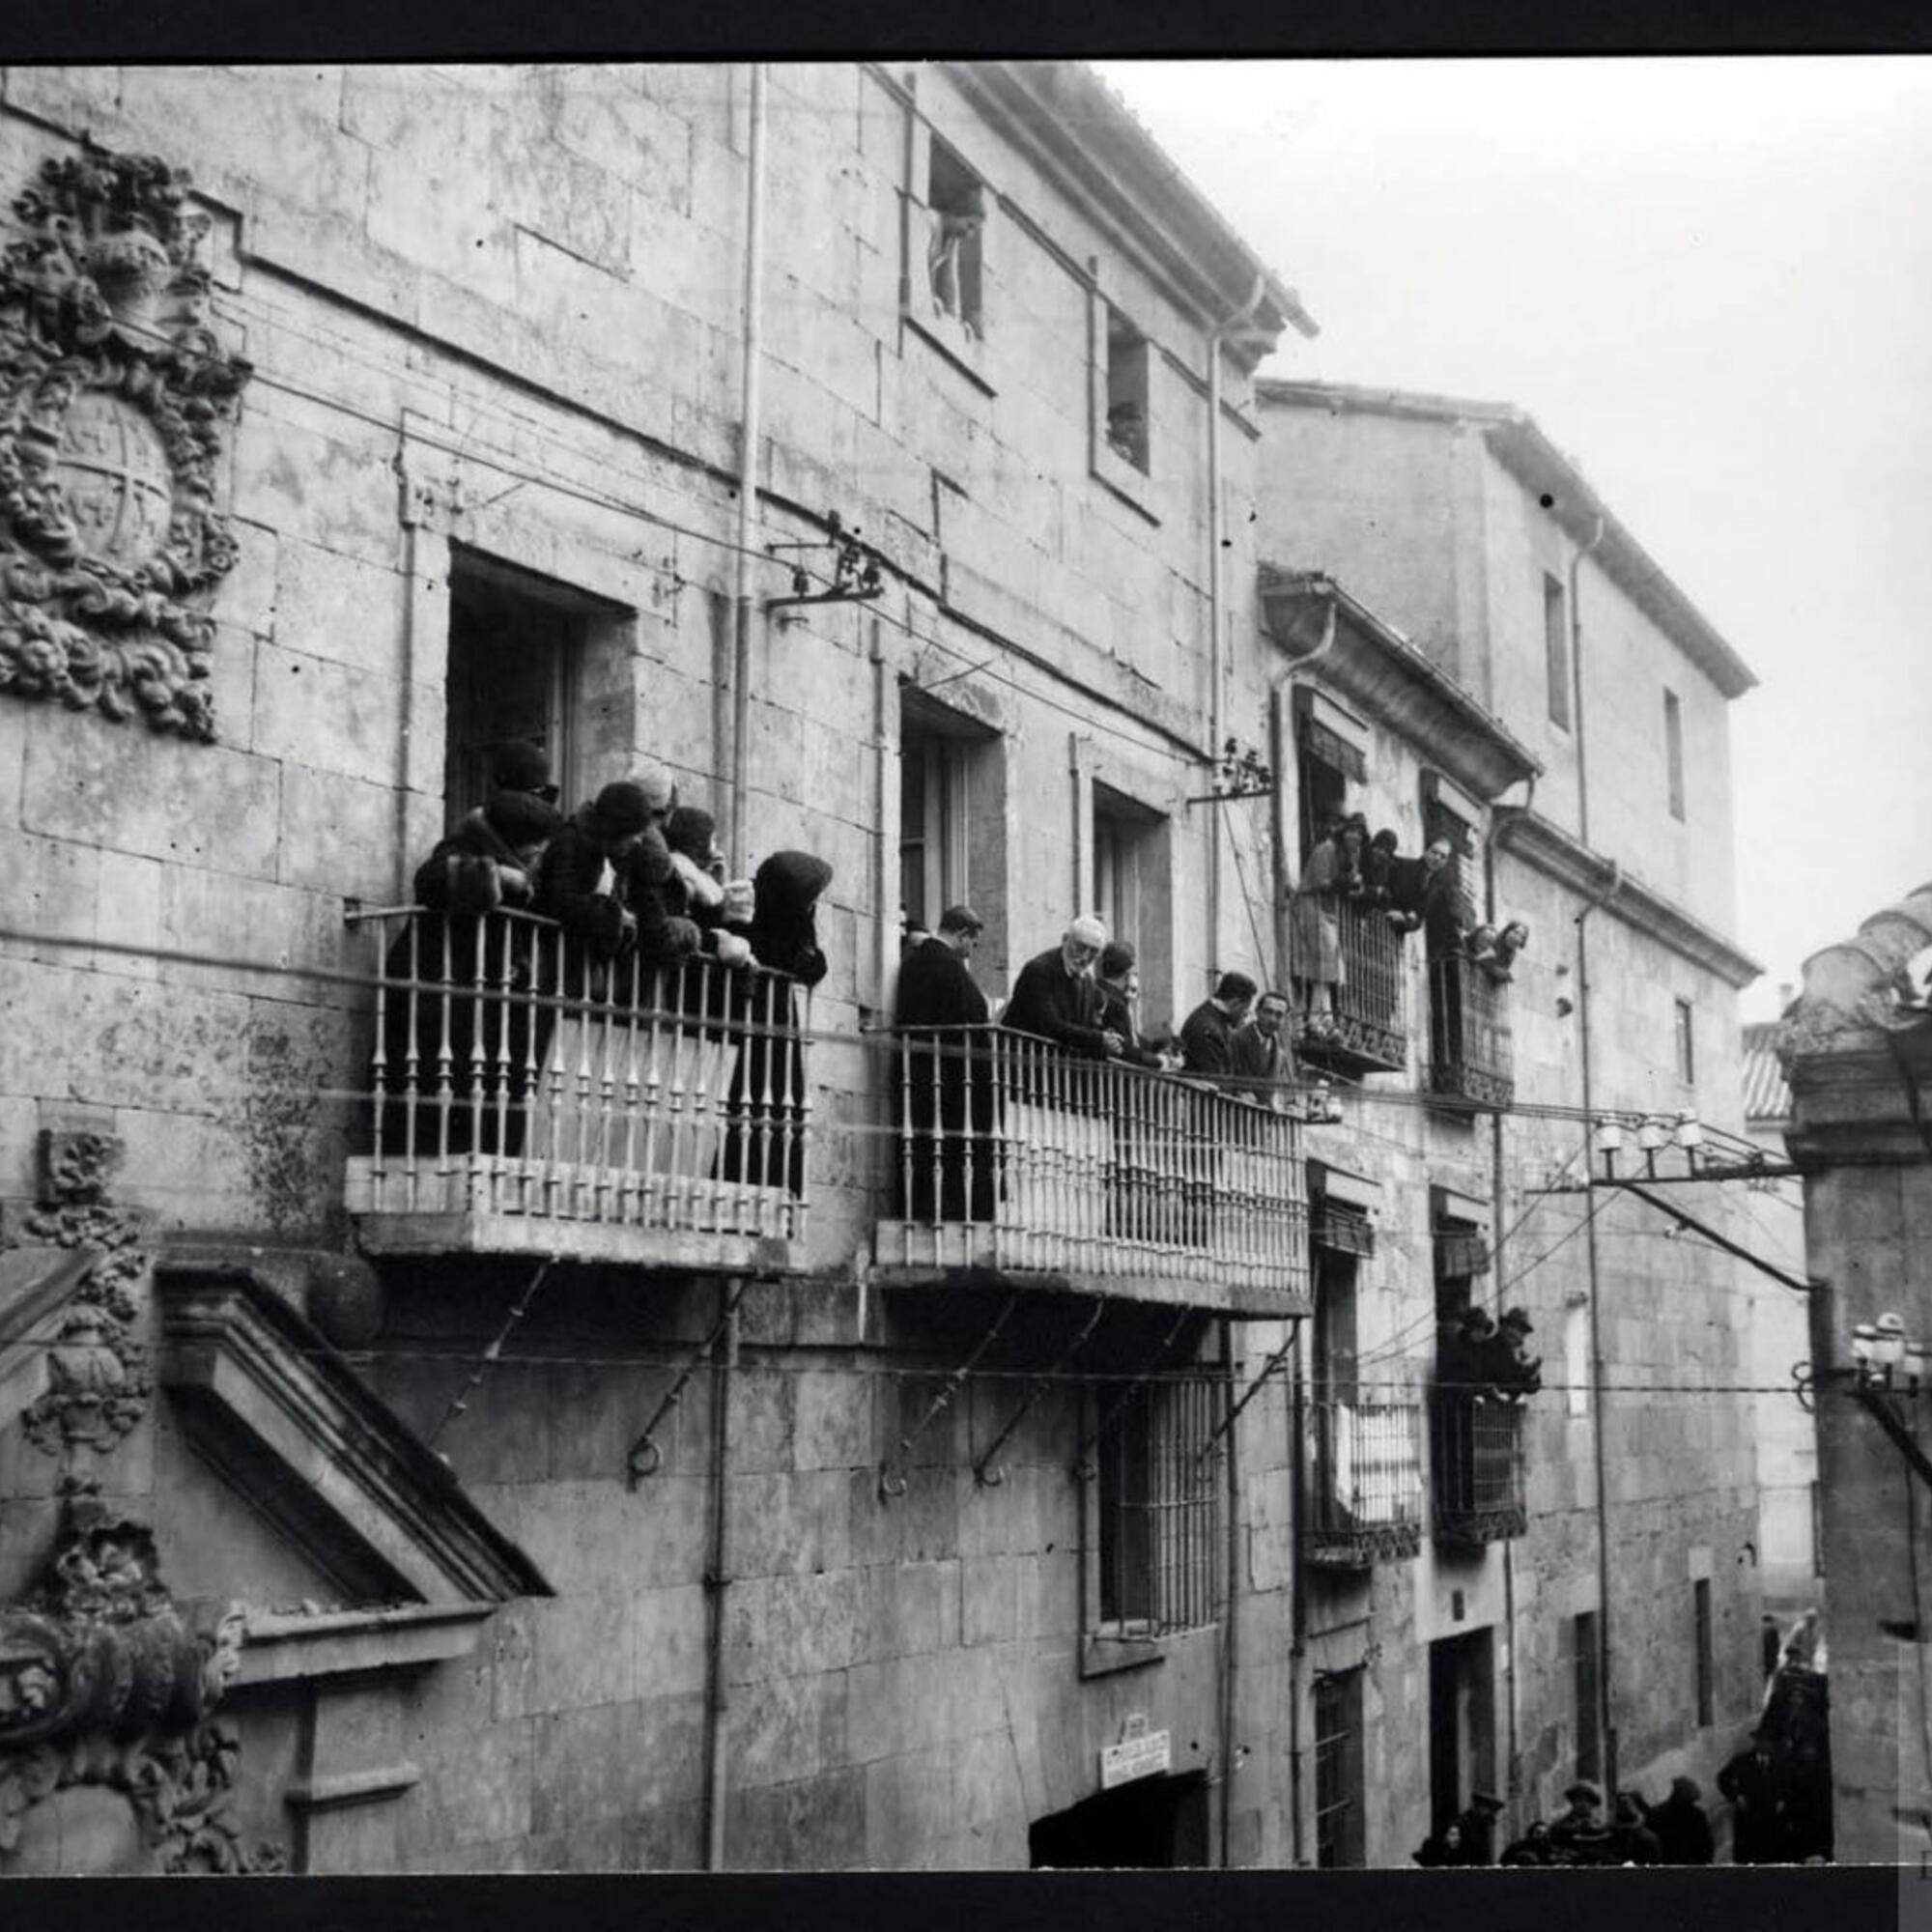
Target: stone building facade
[
  {"x": 1579, "y": 761},
  {"x": 622, "y": 1511},
  {"x": 1858, "y": 1059}
]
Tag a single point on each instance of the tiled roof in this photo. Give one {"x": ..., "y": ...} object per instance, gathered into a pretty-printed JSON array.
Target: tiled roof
[{"x": 1767, "y": 1092}]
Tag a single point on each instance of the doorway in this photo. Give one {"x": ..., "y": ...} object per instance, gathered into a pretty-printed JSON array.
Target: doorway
[
  {"x": 1155, "y": 1824},
  {"x": 1461, "y": 1722}
]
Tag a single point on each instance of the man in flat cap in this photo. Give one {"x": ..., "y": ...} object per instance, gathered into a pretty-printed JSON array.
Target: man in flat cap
[{"x": 948, "y": 1092}]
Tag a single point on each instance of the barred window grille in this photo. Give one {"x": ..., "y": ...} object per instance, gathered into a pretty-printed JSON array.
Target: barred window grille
[{"x": 1159, "y": 1510}]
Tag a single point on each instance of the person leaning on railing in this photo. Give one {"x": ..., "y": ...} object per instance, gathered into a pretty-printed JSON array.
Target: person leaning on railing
[
  {"x": 1120, "y": 982},
  {"x": 1055, "y": 997},
  {"x": 436, "y": 1032}
]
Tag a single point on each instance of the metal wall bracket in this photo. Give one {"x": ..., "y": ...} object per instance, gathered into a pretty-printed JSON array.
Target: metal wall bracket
[
  {"x": 985, "y": 1471},
  {"x": 892, "y": 1479}
]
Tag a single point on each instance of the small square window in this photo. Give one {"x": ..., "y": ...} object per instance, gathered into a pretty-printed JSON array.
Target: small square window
[{"x": 1128, "y": 392}]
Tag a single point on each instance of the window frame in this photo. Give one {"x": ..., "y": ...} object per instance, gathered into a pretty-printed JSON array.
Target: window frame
[
  {"x": 1684, "y": 1025},
  {"x": 961, "y": 340},
  {"x": 1339, "y": 1762},
  {"x": 1135, "y": 484},
  {"x": 1148, "y": 1439},
  {"x": 1673, "y": 753},
  {"x": 1586, "y": 1693},
  {"x": 1557, "y": 650},
  {"x": 1703, "y": 1652}
]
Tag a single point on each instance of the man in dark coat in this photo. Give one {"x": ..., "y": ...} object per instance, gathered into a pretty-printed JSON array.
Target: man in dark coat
[
  {"x": 1579, "y": 1835},
  {"x": 1635, "y": 1843},
  {"x": 948, "y": 1075},
  {"x": 1261, "y": 1058},
  {"x": 1752, "y": 1781},
  {"x": 1056, "y": 998},
  {"x": 1682, "y": 1828},
  {"x": 1478, "y": 1825},
  {"x": 1207, "y": 1033}
]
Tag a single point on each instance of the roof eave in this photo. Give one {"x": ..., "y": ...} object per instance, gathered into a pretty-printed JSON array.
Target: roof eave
[{"x": 1388, "y": 677}]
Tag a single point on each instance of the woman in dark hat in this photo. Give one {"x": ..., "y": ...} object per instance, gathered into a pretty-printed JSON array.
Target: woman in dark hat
[
  {"x": 765, "y": 1142},
  {"x": 450, "y": 1010}
]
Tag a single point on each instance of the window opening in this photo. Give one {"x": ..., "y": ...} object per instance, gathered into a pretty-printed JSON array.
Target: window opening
[
  {"x": 1128, "y": 413},
  {"x": 1687, "y": 1042},
  {"x": 1673, "y": 751},
  {"x": 1700, "y": 1619},
  {"x": 514, "y": 656},
  {"x": 955, "y": 261},
  {"x": 1158, "y": 1504},
  {"x": 1583, "y": 1679},
  {"x": 1556, "y": 650}
]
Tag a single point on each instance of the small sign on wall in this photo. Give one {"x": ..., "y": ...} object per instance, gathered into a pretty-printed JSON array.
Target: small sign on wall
[{"x": 1140, "y": 1753}]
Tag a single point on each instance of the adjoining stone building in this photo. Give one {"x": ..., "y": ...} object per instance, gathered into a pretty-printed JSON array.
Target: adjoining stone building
[
  {"x": 1857, "y": 1048},
  {"x": 596, "y": 1491},
  {"x": 1481, "y": 650}
]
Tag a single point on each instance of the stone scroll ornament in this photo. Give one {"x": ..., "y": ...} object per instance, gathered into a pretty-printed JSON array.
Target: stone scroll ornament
[
  {"x": 103, "y": 1683},
  {"x": 98, "y": 1381},
  {"x": 115, "y": 397}
]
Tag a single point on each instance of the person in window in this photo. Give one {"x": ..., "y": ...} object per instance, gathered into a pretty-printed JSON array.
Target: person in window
[
  {"x": 764, "y": 1141},
  {"x": 1379, "y": 862},
  {"x": 948, "y": 1096},
  {"x": 954, "y": 230},
  {"x": 1414, "y": 884},
  {"x": 1057, "y": 998},
  {"x": 1262, "y": 1056},
  {"x": 1207, "y": 1033},
  {"x": 476, "y": 1036},
  {"x": 1127, "y": 432},
  {"x": 1332, "y": 874}
]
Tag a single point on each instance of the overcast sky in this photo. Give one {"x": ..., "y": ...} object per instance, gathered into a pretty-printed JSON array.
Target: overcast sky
[{"x": 1711, "y": 282}]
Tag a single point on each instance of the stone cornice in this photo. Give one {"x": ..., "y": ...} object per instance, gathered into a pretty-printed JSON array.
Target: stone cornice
[
  {"x": 1312, "y": 618},
  {"x": 1570, "y": 863},
  {"x": 292, "y": 1425}
]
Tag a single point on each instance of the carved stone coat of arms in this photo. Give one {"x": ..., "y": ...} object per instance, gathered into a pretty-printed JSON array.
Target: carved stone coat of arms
[{"x": 115, "y": 396}]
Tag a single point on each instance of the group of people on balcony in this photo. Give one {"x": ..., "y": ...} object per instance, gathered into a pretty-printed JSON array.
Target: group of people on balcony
[
  {"x": 1348, "y": 867},
  {"x": 634, "y": 882},
  {"x": 1082, "y": 996},
  {"x": 1486, "y": 1358}
]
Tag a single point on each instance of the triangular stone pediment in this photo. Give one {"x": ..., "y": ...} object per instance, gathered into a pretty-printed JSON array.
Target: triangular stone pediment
[{"x": 295, "y": 1431}]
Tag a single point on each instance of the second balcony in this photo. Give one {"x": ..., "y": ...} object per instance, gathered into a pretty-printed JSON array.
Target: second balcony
[{"x": 1018, "y": 1161}]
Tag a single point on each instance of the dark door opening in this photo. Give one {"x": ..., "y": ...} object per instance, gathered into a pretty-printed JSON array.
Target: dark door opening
[
  {"x": 1157, "y": 1824},
  {"x": 1461, "y": 1722}
]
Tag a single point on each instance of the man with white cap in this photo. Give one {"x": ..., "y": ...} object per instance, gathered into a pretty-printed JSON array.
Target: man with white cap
[{"x": 1056, "y": 996}]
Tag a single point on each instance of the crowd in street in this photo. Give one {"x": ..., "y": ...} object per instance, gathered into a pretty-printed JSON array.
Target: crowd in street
[{"x": 1676, "y": 1832}]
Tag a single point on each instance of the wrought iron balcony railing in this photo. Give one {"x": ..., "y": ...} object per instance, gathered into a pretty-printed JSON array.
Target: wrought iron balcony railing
[
  {"x": 1469, "y": 1049},
  {"x": 1367, "y": 1029},
  {"x": 1476, "y": 1467},
  {"x": 1364, "y": 1500},
  {"x": 527, "y": 1097},
  {"x": 1022, "y": 1160}
]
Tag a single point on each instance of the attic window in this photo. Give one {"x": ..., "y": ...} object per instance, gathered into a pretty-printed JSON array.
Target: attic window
[{"x": 1126, "y": 390}]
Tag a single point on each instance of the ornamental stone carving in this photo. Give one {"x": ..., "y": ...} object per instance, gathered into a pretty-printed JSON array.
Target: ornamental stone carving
[
  {"x": 103, "y": 1683},
  {"x": 99, "y": 1379},
  {"x": 114, "y": 400}
]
